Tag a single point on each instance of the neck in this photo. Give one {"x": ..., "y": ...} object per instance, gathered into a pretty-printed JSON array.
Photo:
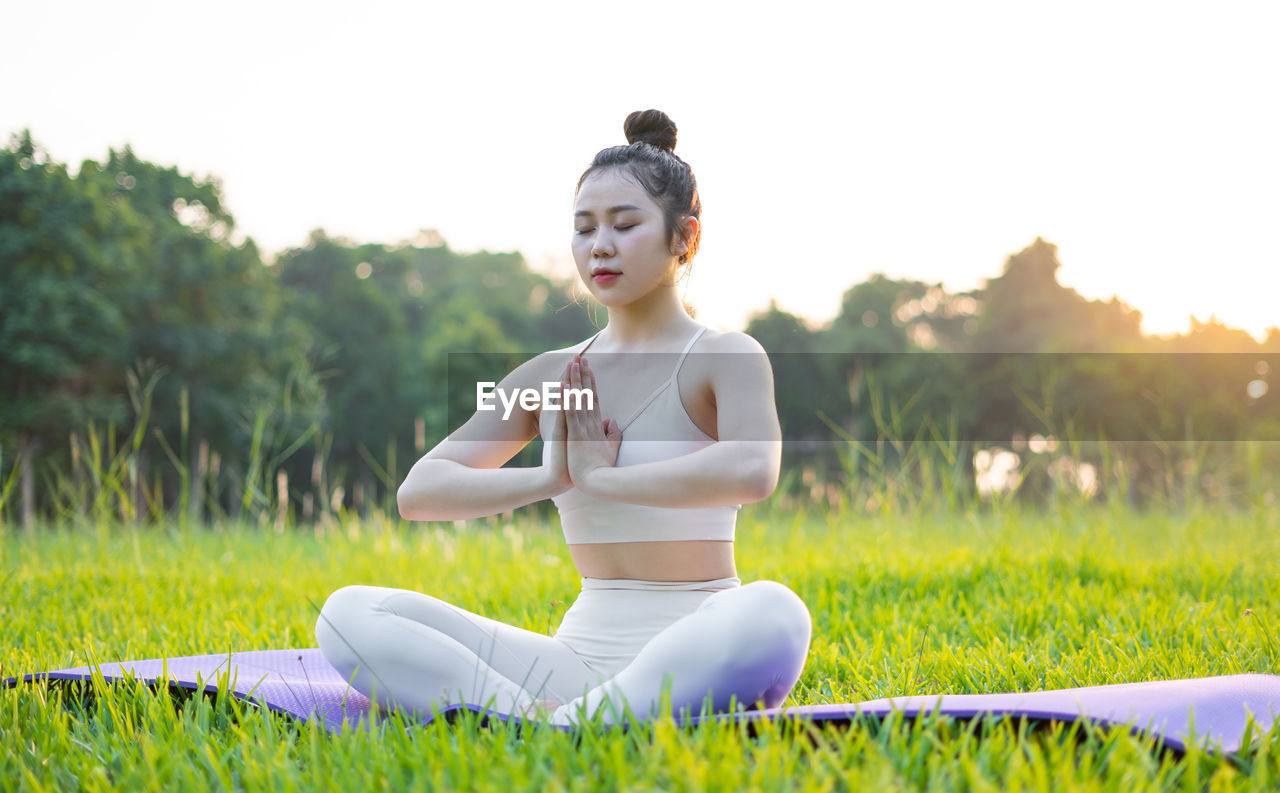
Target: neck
[{"x": 652, "y": 320}]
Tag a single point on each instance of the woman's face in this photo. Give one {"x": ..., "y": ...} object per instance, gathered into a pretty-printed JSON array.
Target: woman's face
[{"x": 620, "y": 241}]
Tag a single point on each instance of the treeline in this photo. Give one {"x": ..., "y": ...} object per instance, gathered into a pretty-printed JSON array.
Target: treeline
[
  {"x": 912, "y": 391},
  {"x": 153, "y": 364},
  {"x": 146, "y": 348}
]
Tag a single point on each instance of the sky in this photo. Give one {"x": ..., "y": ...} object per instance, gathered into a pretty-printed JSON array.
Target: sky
[{"x": 830, "y": 141}]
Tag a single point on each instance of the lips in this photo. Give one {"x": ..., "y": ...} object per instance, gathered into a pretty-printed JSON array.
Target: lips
[{"x": 604, "y": 275}]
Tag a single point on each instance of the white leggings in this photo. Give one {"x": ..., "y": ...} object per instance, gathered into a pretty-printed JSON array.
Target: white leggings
[{"x": 618, "y": 644}]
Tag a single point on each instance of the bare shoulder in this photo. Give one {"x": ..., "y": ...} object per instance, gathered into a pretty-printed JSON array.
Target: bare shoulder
[
  {"x": 741, "y": 380},
  {"x": 735, "y": 355},
  {"x": 538, "y": 368},
  {"x": 730, "y": 341},
  {"x": 545, "y": 366},
  {"x": 491, "y": 436},
  {"x": 734, "y": 362}
]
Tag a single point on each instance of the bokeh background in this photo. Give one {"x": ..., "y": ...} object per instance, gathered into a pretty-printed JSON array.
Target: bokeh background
[{"x": 237, "y": 244}]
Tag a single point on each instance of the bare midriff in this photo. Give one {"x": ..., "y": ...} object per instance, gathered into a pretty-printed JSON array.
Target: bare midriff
[{"x": 687, "y": 560}]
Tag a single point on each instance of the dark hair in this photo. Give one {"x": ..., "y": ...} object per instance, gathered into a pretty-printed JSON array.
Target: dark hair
[{"x": 650, "y": 159}]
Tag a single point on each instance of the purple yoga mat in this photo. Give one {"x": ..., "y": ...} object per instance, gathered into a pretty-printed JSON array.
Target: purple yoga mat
[{"x": 1211, "y": 711}]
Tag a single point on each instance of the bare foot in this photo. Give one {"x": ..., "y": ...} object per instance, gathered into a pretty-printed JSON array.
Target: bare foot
[{"x": 540, "y": 708}]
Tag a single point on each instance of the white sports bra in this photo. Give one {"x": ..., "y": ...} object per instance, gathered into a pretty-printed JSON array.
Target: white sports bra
[{"x": 585, "y": 518}]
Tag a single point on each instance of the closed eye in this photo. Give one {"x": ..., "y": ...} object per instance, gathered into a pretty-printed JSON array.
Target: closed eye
[{"x": 620, "y": 228}]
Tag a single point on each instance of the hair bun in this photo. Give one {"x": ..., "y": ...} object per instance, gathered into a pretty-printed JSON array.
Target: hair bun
[{"x": 651, "y": 126}]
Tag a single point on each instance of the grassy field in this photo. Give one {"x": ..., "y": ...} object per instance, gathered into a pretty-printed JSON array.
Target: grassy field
[{"x": 986, "y": 601}]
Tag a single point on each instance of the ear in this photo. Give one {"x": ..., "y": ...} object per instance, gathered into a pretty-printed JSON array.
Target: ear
[{"x": 688, "y": 230}]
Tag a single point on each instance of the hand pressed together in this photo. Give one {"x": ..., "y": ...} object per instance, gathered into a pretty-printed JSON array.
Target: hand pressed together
[
  {"x": 557, "y": 463},
  {"x": 584, "y": 440}
]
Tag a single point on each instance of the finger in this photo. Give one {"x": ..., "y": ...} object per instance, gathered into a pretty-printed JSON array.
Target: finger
[
  {"x": 559, "y": 424},
  {"x": 567, "y": 404},
  {"x": 574, "y": 407},
  {"x": 589, "y": 381},
  {"x": 588, "y": 409},
  {"x": 562, "y": 420}
]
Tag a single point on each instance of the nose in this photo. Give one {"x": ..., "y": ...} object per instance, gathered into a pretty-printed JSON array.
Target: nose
[{"x": 602, "y": 246}]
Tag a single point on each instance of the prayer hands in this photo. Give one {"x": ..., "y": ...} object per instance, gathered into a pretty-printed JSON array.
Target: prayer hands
[
  {"x": 557, "y": 463},
  {"x": 569, "y": 463},
  {"x": 592, "y": 441}
]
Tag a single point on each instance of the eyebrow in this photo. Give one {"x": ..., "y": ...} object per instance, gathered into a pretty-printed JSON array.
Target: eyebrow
[{"x": 609, "y": 211}]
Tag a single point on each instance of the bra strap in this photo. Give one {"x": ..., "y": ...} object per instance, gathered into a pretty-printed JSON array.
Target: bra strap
[
  {"x": 685, "y": 351},
  {"x": 667, "y": 383},
  {"x": 591, "y": 342}
]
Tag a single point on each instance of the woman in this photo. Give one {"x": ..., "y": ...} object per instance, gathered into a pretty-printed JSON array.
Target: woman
[{"x": 647, "y": 502}]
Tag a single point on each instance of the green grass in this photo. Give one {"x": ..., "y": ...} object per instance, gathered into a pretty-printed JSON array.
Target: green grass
[{"x": 994, "y": 600}]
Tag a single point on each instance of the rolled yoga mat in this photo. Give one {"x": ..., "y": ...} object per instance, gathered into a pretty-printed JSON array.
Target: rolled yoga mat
[{"x": 1210, "y": 711}]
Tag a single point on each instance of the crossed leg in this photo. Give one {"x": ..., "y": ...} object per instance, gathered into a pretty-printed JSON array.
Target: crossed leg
[
  {"x": 746, "y": 645},
  {"x": 411, "y": 651}
]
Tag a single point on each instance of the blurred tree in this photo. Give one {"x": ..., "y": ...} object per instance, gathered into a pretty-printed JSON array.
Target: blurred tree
[
  {"x": 1205, "y": 337},
  {"x": 1025, "y": 309},
  {"x": 889, "y": 341},
  {"x": 69, "y": 252},
  {"x": 386, "y": 321},
  {"x": 134, "y": 266},
  {"x": 129, "y": 265},
  {"x": 1040, "y": 341},
  {"x": 208, "y": 313},
  {"x": 805, "y": 381},
  {"x": 1272, "y": 342}
]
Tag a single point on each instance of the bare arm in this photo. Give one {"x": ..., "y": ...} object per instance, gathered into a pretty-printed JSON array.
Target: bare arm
[
  {"x": 442, "y": 489},
  {"x": 462, "y": 477},
  {"x": 741, "y": 467},
  {"x": 726, "y": 472}
]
